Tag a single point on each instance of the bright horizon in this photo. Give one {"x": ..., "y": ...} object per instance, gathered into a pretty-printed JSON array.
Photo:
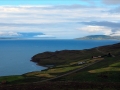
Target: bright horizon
[{"x": 61, "y": 19}]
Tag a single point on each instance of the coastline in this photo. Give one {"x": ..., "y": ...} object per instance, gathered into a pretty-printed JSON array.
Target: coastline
[{"x": 60, "y": 69}]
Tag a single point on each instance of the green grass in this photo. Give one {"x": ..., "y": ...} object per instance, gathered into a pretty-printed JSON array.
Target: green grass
[
  {"x": 53, "y": 72},
  {"x": 11, "y": 78},
  {"x": 60, "y": 69},
  {"x": 46, "y": 74},
  {"x": 107, "y": 70},
  {"x": 19, "y": 79}
]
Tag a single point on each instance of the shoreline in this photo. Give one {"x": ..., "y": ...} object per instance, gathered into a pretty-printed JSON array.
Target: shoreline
[{"x": 68, "y": 61}]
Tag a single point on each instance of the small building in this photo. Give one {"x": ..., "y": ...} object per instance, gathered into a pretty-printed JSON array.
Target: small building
[
  {"x": 80, "y": 63},
  {"x": 94, "y": 57}
]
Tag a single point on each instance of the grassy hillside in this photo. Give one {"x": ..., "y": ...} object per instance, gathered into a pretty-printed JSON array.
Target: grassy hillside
[
  {"x": 107, "y": 70},
  {"x": 69, "y": 56},
  {"x": 101, "y": 70},
  {"x": 66, "y": 61},
  {"x": 64, "y": 57},
  {"x": 104, "y": 68}
]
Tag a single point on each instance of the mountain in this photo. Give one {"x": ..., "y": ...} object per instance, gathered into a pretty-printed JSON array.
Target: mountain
[
  {"x": 8, "y": 38},
  {"x": 99, "y": 37},
  {"x": 27, "y": 35}
]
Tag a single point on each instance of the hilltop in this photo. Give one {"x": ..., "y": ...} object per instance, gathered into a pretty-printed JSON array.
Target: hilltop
[
  {"x": 67, "y": 56},
  {"x": 99, "y": 37}
]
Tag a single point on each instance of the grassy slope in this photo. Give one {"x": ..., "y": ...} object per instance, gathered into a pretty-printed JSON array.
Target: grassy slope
[
  {"x": 106, "y": 70},
  {"x": 90, "y": 78},
  {"x": 64, "y": 57}
]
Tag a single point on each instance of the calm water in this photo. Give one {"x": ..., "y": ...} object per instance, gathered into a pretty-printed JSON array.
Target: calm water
[{"x": 15, "y": 55}]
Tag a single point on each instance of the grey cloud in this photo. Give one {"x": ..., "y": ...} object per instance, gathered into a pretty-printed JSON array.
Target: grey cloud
[
  {"x": 103, "y": 23},
  {"x": 18, "y": 24},
  {"x": 107, "y": 2},
  {"x": 92, "y": 2},
  {"x": 36, "y": 25},
  {"x": 111, "y": 2},
  {"x": 115, "y": 10},
  {"x": 73, "y": 6},
  {"x": 113, "y": 25},
  {"x": 28, "y": 24}
]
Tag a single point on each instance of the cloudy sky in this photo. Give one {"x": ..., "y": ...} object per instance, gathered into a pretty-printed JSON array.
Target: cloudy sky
[{"x": 62, "y": 19}]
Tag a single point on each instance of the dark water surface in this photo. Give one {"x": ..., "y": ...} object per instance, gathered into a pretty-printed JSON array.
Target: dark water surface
[{"x": 15, "y": 55}]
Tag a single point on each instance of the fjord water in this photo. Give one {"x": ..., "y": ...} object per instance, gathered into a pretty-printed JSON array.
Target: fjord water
[{"x": 15, "y": 55}]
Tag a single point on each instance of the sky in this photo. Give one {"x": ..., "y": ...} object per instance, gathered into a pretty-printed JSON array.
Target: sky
[{"x": 60, "y": 19}]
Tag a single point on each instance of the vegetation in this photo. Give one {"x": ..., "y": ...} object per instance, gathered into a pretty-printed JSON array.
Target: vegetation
[
  {"x": 99, "y": 37},
  {"x": 64, "y": 57},
  {"x": 108, "y": 70},
  {"x": 63, "y": 86},
  {"x": 79, "y": 68}
]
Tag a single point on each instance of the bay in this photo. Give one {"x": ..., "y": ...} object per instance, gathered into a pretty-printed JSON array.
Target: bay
[{"x": 15, "y": 55}]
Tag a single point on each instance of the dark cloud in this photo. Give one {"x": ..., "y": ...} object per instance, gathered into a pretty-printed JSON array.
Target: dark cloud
[{"x": 111, "y": 2}]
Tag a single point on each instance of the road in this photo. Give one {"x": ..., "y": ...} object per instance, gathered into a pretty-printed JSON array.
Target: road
[
  {"x": 69, "y": 72},
  {"x": 76, "y": 69},
  {"x": 100, "y": 50}
]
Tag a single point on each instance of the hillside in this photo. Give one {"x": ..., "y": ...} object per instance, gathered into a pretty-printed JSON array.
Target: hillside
[
  {"x": 107, "y": 70},
  {"x": 63, "y": 57},
  {"x": 96, "y": 68},
  {"x": 67, "y": 56},
  {"x": 98, "y": 37},
  {"x": 100, "y": 69},
  {"x": 67, "y": 60}
]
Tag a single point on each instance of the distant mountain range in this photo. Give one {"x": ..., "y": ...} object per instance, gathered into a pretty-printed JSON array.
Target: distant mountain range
[
  {"x": 8, "y": 38},
  {"x": 27, "y": 35},
  {"x": 99, "y": 37}
]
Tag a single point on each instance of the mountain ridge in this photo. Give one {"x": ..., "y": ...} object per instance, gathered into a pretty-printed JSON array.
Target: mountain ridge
[{"x": 99, "y": 37}]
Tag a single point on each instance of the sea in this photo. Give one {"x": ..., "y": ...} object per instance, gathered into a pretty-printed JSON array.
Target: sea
[{"x": 15, "y": 55}]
